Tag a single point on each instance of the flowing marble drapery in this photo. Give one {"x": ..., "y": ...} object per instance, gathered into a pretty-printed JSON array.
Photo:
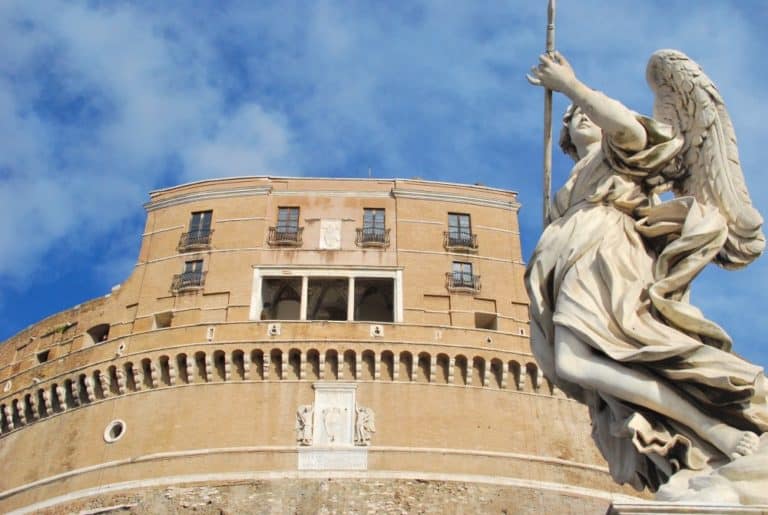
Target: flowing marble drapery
[{"x": 614, "y": 266}]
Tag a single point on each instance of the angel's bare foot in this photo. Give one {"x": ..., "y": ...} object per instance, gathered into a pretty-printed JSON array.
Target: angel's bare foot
[{"x": 733, "y": 442}]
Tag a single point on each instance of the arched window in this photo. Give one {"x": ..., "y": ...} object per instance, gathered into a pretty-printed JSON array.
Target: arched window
[
  {"x": 276, "y": 358},
  {"x": 219, "y": 363},
  {"x": 369, "y": 366},
  {"x": 423, "y": 368},
  {"x": 313, "y": 364},
  {"x": 441, "y": 374},
  {"x": 387, "y": 365},
  {"x": 497, "y": 372},
  {"x": 294, "y": 364},
  {"x": 461, "y": 373},
  {"x": 181, "y": 368},
  {"x": 478, "y": 371},
  {"x": 332, "y": 364},
  {"x": 406, "y": 366},
  {"x": 238, "y": 364},
  {"x": 165, "y": 370},
  {"x": 257, "y": 364}
]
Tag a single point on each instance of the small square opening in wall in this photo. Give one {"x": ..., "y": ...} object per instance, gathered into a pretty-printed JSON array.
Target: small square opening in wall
[
  {"x": 486, "y": 321},
  {"x": 163, "y": 320},
  {"x": 42, "y": 357}
]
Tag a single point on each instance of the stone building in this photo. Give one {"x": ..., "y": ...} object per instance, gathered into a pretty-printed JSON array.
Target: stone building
[{"x": 302, "y": 345}]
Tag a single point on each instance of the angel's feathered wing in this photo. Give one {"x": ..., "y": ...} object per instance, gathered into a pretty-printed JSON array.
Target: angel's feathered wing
[{"x": 708, "y": 166}]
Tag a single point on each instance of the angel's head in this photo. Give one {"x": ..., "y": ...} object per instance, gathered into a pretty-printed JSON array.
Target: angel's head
[{"x": 577, "y": 132}]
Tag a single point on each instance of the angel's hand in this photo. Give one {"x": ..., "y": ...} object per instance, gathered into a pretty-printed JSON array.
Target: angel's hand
[{"x": 553, "y": 73}]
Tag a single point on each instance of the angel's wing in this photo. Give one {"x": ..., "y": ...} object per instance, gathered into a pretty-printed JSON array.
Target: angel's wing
[{"x": 708, "y": 166}]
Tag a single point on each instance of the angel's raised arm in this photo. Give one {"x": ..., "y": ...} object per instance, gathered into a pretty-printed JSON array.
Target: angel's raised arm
[{"x": 611, "y": 116}]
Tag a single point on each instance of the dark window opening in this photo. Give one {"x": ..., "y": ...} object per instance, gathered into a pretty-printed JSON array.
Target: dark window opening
[
  {"x": 281, "y": 299},
  {"x": 42, "y": 357},
  {"x": 327, "y": 299},
  {"x": 99, "y": 333},
  {"x": 163, "y": 320},
  {"x": 486, "y": 321},
  {"x": 374, "y": 300}
]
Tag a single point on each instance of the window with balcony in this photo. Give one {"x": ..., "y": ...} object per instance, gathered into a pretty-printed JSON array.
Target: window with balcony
[
  {"x": 287, "y": 230},
  {"x": 191, "y": 278},
  {"x": 459, "y": 234},
  {"x": 462, "y": 278},
  {"x": 199, "y": 234},
  {"x": 373, "y": 233}
]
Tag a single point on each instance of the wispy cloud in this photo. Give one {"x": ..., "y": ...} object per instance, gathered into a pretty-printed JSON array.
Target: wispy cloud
[{"x": 101, "y": 102}]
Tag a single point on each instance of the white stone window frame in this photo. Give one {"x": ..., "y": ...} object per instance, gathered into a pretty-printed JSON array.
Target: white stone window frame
[{"x": 261, "y": 272}]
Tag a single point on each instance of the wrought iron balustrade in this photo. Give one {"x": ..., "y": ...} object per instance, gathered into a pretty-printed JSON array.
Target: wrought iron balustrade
[
  {"x": 459, "y": 241},
  {"x": 288, "y": 236},
  {"x": 370, "y": 237},
  {"x": 195, "y": 240},
  {"x": 187, "y": 281},
  {"x": 458, "y": 281}
]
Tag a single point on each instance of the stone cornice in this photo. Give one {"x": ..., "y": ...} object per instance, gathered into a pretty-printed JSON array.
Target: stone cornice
[
  {"x": 509, "y": 205},
  {"x": 195, "y": 196}
]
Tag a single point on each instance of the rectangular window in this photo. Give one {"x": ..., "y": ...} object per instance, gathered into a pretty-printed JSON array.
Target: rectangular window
[
  {"x": 327, "y": 299},
  {"x": 163, "y": 320},
  {"x": 373, "y": 233},
  {"x": 300, "y": 293},
  {"x": 191, "y": 277},
  {"x": 462, "y": 275},
  {"x": 281, "y": 298},
  {"x": 193, "y": 267},
  {"x": 459, "y": 227},
  {"x": 200, "y": 223},
  {"x": 374, "y": 299},
  {"x": 288, "y": 220},
  {"x": 199, "y": 233},
  {"x": 373, "y": 219}
]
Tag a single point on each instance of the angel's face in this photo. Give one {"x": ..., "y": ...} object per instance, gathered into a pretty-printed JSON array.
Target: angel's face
[{"x": 582, "y": 130}]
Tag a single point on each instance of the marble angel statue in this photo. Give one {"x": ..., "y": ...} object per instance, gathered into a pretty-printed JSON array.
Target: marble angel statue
[{"x": 609, "y": 280}]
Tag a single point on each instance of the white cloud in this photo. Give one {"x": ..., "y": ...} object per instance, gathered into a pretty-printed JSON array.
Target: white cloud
[
  {"x": 102, "y": 102},
  {"x": 93, "y": 102}
]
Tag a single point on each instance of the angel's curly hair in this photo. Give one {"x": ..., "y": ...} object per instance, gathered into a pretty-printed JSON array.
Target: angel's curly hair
[{"x": 566, "y": 144}]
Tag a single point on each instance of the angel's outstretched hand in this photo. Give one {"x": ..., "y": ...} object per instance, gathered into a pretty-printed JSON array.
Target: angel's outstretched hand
[{"x": 553, "y": 72}]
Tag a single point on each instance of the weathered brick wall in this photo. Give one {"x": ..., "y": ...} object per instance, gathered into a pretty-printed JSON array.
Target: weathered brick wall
[{"x": 334, "y": 496}]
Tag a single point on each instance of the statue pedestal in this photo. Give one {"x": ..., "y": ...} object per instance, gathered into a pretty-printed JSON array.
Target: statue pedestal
[{"x": 656, "y": 508}]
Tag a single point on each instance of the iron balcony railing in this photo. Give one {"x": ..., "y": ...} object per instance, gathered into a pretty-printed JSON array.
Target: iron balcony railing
[
  {"x": 458, "y": 281},
  {"x": 195, "y": 240},
  {"x": 289, "y": 236},
  {"x": 459, "y": 241},
  {"x": 188, "y": 281},
  {"x": 370, "y": 237}
]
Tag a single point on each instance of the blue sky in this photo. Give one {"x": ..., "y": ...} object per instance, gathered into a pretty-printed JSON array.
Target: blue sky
[{"x": 101, "y": 102}]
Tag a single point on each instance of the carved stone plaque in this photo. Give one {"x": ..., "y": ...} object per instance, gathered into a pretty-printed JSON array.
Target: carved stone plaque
[
  {"x": 334, "y": 414},
  {"x": 330, "y": 234},
  {"x": 336, "y": 443}
]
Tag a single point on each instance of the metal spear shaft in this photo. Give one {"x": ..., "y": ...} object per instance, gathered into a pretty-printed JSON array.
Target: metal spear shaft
[{"x": 548, "y": 114}]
